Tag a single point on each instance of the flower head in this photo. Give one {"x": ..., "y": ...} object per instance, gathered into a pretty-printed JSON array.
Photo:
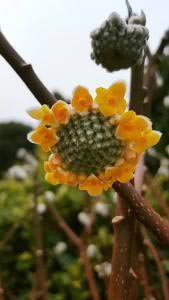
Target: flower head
[{"x": 95, "y": 148}]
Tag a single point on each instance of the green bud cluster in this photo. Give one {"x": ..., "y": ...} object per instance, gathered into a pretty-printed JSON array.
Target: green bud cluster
[
  {"x": 118, "y": 45},
  {"x": 87, "y": 144}
]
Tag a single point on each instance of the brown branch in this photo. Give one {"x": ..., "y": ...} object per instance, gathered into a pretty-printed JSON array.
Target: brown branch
[
  {"x": 148, "y": 53},
  {"x": 144, "y": 277},
  {"x": 150, "y": 81},
  {"x": 136, "y": 88},
  {"x": 25, "y": 72},
  {"x": 122, "y": 284},
  {"x": 64, "y": 226},
  {"x": 143, "y": 211},
  {"x": 164, "y": 43},
  {"x": 157, "y": 259},
  {"x": 124, "y": 228},
  {"x": 80, "y": 244},
  {"x": 89, "y": 272}
]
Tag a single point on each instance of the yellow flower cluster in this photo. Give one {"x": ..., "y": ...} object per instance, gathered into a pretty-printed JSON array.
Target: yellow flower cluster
[{"x": 133, "y": 131}]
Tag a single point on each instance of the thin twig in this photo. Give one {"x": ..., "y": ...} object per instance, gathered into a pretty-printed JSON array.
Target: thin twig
[
  {"x": 143, "y": 277},
  {"x": 156, "y": 256},
  {"x": 79, "y": 243},
  {"x": 143, "y": 211},
  {"x": 164, "y": 43},
  {"x": 64, "y": 226},
  {"x": 150, "y": 81},
  {"x": 89, "y": 272},
  {"x": 25, "y": 72}
]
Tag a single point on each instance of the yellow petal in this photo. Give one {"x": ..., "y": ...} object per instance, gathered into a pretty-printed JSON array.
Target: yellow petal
[
  {"x": 92, "y": 185},
  {"x": 128, "y": 116},
  {"x": 131, "y": 156},
  {"x": 55, "y": 159},
  {"x": 143, "y": 123},
  {"x": 106, "y": 185},
  {"x": 72, "y": 179},
  {"x": 153, "y": 137},
  {"x": 131, "y": 127},
  {"x": 82, "y": 100},
  {"x": 45, "y": 137},
  {"x": 47, "y": 168},
  {"x": 61, "y": 111},
  {"x": 36, "y": 113},
  {"x": 126, "y": 172},
  {"x": 58, "y": 176},
  {"x": 101, "y": 94},
  {"x": 52, "y": 178},
  {"x": 122, "y": 106},
  {"x": 117, "y": 90},
  {"x": 81, "y": 178},
  {"x": 146, "y": 141},
  {"x": 110, "y": 174},
  {"x": 44, "y": 114},
  {"x": 111, "y": 101}
]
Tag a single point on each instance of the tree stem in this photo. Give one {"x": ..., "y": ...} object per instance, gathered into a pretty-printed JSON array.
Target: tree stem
[
  {"x": 121, "y": 259},
  {"x": 143, "y": 211},
  {"x": 136, "y": 88}
]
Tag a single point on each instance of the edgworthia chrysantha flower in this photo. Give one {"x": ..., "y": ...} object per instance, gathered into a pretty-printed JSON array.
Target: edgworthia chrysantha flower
[{"x": 93, "y": 142}]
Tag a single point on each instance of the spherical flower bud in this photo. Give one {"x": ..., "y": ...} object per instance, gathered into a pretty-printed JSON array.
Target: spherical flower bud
[{"x": 119, "y": 44}]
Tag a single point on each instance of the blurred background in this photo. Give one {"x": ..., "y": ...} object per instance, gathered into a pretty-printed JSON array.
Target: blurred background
[{"x": 39, "y": 257}]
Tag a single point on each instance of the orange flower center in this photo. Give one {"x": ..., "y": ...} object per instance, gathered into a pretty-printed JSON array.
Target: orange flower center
[
  {"x": 111, "y": 101},
  {"x": 83, "y": 101}
]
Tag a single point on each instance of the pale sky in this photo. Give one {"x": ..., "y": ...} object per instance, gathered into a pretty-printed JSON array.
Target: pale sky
[{"x": 53, "y": 35}]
